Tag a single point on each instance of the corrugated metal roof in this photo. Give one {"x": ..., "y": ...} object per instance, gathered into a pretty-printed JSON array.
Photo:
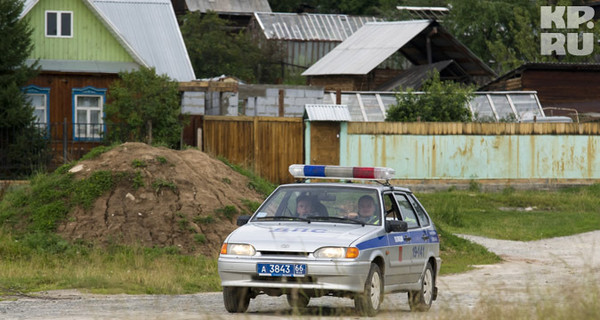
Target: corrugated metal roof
[
  {"x": 309, "y": 26},
  {"x": 147, "y": 29},
  {"x": 150, "y": 28},
  {"x": 229, "y": 6},
  {"x": 327, "y": 112},
  {"x": 367, "y": 48}
]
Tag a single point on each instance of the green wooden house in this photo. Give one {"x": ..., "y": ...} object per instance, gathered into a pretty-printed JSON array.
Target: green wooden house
[{"x": 82, "y": 45}]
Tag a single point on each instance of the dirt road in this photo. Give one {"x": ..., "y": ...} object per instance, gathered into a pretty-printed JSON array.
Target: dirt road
[{"x": 531, "y": 272}]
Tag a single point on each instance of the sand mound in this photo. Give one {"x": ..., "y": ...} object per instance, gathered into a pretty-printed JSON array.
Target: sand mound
[{"x": 163, "y": 198}]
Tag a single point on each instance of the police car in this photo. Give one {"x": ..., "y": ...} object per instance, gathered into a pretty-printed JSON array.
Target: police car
[{"x": 353, "y": 240}]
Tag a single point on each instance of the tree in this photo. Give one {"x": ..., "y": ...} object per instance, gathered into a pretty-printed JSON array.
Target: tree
[
  {"x": 214, "y": 50},
  {"x": 142, "y": 100},
  {"x": 20, "y": 142},
  {"x": 440, "y": 102},
  {"x": 506, "y": 33}
]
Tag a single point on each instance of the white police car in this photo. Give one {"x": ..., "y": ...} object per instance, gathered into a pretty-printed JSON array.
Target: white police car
[{"x": 341, "y": 239}]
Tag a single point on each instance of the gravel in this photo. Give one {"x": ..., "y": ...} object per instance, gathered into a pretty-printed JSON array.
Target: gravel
[{"x": 531, "y": 272}]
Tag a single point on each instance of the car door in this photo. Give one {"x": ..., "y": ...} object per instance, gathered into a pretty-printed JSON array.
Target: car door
[
  {"x": 416, "y": 235},
  {"x": 399, "y": 251},
  {"x": 430, "y": 236}
]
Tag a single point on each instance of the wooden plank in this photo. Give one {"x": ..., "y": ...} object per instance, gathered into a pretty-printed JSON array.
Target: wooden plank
[{"x": 473, "y": 128}]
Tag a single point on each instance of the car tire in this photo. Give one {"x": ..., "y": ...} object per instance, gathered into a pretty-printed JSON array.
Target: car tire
[
  {"x": 297, "y": 299},
  {"x": 368, "y": 302},
  {"x": 236, "y": 299},
  {"x": 421, "y": 300}
]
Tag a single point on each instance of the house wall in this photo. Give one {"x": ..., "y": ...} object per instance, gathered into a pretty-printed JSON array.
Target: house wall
[
  {"x": 564, "y": 89},
  {"x": 354, "y": 82},
  {"x": 91, "y": 41},
  {"x": 467, "y": 151},
  {"x": 60, "y": 105},
  {"x": 265, "y": 100}
]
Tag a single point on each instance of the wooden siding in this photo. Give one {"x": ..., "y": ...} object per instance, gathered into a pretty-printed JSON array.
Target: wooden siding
[
  {"x": 61, "y": 90},
  {"x": 91, "y": 40},
  {"x": 472, "y": 128},
  {"x": 267, "y": 145},
  {"x": 565, "y": 89}
]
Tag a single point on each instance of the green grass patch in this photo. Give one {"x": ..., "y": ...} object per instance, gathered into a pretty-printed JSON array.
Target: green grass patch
[
  {"x": 516, "y": 215},
  {"x": 256, "y": 182},
  {"x": 97, "y": 151},
  {"x": 136, "y": 163},
  {"x": 204, "y": 220},
  {"x": 252, "y": 206},
  {"x": 131, "y": 270},
  {"x": 228, "y": 212},
  {"x": 159, "y": 184},
  {"x": 48, "y": 199},
  {"x": 161, "y": 160}
]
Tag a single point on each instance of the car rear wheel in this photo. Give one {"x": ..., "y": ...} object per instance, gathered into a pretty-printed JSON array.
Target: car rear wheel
[
  {"x": 421, "y": 300},
  {"x": 236, "y": 299},
  {"x": 298, "y": 299},
  {"x": 368, "y": 302}
]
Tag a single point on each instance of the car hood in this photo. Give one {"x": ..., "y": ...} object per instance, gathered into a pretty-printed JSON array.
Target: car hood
[{"x": 299, "y": 237}]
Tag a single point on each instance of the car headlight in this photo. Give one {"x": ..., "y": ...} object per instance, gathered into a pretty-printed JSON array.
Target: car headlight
[
  {"x": 337, "y": 252},
  {"x": 238, "y": 249}
]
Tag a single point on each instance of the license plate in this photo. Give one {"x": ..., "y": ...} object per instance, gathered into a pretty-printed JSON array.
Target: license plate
[{"x": 281, "y": 269}]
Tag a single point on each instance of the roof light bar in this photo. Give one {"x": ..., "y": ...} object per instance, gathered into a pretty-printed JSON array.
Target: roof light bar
[{"x": 338, "y": 172}]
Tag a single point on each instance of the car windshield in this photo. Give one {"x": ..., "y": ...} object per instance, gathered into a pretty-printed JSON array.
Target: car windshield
[{"x": 333, "y": 204}]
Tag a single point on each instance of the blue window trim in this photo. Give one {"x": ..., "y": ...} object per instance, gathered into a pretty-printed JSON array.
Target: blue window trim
[
  {"x": 89, "y": 90},
  {"x": 33, "y": 89}
]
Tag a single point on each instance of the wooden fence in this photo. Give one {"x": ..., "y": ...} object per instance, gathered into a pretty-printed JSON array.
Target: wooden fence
[
  {"x": 473, "y": 128},
  {"x": 266, "y": 144}
]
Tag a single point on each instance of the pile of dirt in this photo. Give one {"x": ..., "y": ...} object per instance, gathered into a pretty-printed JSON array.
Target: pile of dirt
[{"x": 161, "y": 198}]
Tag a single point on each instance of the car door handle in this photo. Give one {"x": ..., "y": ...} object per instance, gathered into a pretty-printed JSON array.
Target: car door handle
[
  {"x": 407, "y": 238},
  {"x": 425, "y": 237}
]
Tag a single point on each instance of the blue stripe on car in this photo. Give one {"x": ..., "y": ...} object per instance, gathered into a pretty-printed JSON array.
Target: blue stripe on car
[{"x": 393, "y": 240}]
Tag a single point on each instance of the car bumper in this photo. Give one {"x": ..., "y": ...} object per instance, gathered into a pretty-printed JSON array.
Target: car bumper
[{"x": 326, "y": 275}]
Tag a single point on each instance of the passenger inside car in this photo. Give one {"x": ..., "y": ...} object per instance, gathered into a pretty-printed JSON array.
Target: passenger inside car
[
  {"x": 303, "y": 206},
  {"x": 366, "y": 210}
]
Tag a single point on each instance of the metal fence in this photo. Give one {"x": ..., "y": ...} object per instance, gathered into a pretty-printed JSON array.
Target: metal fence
[{"x": 46, "y": 146}]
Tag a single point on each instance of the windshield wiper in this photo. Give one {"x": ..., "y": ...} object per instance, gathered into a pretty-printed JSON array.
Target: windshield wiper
[
  {"x": 338, "y": 219},
  {"x": 281, "y": 218}
]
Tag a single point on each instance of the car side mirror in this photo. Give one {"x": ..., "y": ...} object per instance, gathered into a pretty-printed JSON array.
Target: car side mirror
[
  {"x": 242, "y": 220},
  {"x": 396, "y": 226}
]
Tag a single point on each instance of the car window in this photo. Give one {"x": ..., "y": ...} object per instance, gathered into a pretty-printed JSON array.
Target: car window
[
  {"x": 406, "y": 211},
  {"x": 423, "y": 218},
  {"x": 323, "y": 201},
  {"x": 391, "y": 211}
]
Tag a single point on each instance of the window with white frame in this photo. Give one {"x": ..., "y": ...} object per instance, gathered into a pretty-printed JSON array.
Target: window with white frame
[
  {"x": 59, "y": 24},
  {"x": 38, "y": 99},
  {"x": 88, "y": 107}
]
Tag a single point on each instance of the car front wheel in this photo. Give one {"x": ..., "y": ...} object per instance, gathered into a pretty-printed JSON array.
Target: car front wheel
[
  {"x": 368, "y": 302},
  {"x": 236, "y": 299},
  {"x": 421, "y": 300}
]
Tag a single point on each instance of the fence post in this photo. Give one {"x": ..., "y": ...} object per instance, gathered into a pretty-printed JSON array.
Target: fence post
[
  {"x": 149, "y": 132},
  {"x": 65, "y": 133}
]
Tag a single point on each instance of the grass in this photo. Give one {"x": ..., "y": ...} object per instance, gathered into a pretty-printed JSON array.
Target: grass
[
  {"x": 133, "y": 270},
  {"x": 39, "y": 260},
  {"x": 516, "y": 215},
  {"x": 256, "y": 182}
]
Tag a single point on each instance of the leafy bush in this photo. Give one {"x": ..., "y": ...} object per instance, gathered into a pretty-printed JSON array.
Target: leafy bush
[
  {"x": 442, "y": 101},
  {"x": 144, "y": 104}
]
